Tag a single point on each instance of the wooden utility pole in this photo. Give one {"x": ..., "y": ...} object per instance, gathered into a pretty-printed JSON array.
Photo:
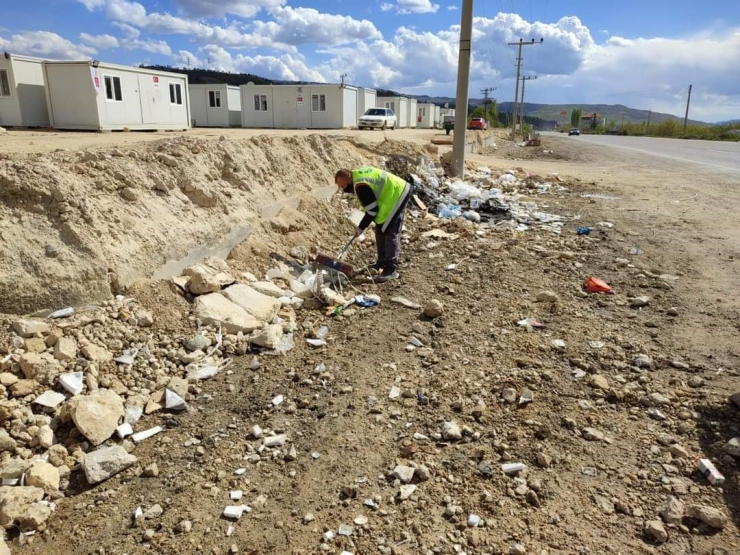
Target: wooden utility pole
[
  {"x": 516, "y": 88},
  {"x": 486, "y": 101},
  {"x": 521, "y": 121},
  {"x": 463, "y": 82},
  {"x": 650, "y": 113},
  {"x": 686, "y": 117}
]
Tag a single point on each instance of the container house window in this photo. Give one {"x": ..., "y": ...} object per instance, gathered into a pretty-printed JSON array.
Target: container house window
[
  {"x": 214, "y": 99},
  {"x": 175, "y": 93},
  {"x": 260, "y": 103},
  {"x": 113, "y": 88},
  {"x": 318, "y": 103},
  {"x": 4, "y": 83}
]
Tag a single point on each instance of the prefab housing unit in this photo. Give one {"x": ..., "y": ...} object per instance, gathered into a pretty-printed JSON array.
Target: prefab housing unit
[
  {"x": 437, "y": 117},
  {"x": 91, "y": 95},
  {"x": 366, "y": 99},
  {"x": 399, "y": 105},
  {"x": 22, "y": 92},
  {"x": 218, "y": 105},
  {"x": 299, "y": 106},
  {"x": 425, "y": 113},
  {"x": 412, "y": 119}
]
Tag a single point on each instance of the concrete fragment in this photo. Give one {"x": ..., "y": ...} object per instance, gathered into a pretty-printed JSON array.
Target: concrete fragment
[
  {"x": 433, "y": 308},
  {"x": 268, "y": 337},
  {"x": 95, "y": 353},
  {"x": 106, "y": 462},
  {"x": 671, "y": 511},
  {"x": 406, "y": 491},
  {"x": 451, "y": 431},
  {"x": 7, "y": 443},
  {"x": 708, "y": 515},
  {"x": 599, "y": 381},
  {"x": 592, "y": 434},
  {"x": 732, "y": 447},
  {"x": 96, "y": 415},
  {"x": 30, "y": 328},
  {"x": 20, "y": 506},
  {"x": 267, "y": 288},
  {"x": 41, "y": 367},
  {"x": 404, "y": 473},
  {"x": 217, "y": 309},
  {"x": 275, "y": 441},
  {"x": 43, "y": 475},
  {"x": 260, "y": 306},
  {"x": 655, "y": 530},
  {"x": 65, "y": 349},
  {"x": 172, "y": 401},
  {"x": 24, "y": 387}
]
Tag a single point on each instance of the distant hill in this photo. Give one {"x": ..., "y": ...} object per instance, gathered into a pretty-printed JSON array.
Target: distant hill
[{"x": 546, "y": 112}]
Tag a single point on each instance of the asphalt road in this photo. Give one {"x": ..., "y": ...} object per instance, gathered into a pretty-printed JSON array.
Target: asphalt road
[{"x": 716, "y": 154}]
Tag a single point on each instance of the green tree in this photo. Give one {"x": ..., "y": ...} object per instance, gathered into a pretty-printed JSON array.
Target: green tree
[
  {"x": 493, "y": 110},
  {"x": 575, "y": 117}
]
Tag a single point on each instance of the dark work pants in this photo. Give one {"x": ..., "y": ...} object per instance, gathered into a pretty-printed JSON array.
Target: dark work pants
[{"x": 388, "y": 242}]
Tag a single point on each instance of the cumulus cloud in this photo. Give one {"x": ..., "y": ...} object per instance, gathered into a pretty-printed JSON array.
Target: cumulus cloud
[
  {"x": 46, "y": 45},
  {"x": 220, "y": 8},
  {"x": 287, "y": 67},
  {"x": 411, "y": 6},
  {"x": 107, "y": 42}
]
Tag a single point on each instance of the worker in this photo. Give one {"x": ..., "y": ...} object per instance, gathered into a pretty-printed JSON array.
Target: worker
[{"x": 383, "y": 197}]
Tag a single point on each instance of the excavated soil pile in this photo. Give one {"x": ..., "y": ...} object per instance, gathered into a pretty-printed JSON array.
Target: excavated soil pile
[{"x": 76, "y": 226}]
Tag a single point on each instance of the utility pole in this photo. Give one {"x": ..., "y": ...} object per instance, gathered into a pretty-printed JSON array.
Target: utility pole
[
  {"x": 518, "y": 70},
  {"x": 343, "y": 77},
  {"x": 463, "y": 82},
  {"x": 486, "y": 101},
  {"x": 521, "y": 121},
  {"x": 647, "y": 131},
  {"x": 686, "y": 117}
]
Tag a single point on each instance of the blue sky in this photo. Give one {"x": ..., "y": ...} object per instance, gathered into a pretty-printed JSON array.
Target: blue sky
[{"x": 640, "y": 53}]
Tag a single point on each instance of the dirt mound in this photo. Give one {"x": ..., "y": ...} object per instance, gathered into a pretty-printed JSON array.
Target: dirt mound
[{"x": 76, "y": 226}]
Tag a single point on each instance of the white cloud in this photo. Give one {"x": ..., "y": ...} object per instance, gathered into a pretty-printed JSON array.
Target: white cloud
[
  {"x": 286, "y": 67},
  {"x": 219, "y": 8},
  {"x": 46, "y": 45},
  {"x": 452, "y": 7},
  {"x": 411, "y": 6},
  {"x": 107, "y": 42}
]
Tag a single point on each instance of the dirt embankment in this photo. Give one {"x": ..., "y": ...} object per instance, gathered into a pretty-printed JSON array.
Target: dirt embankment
[{"x": 77, "y": 225}]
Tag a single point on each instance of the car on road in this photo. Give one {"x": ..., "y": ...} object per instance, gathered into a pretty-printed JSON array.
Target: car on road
[
  {"x": 478, "y": 123},
  {"x": 377, "y": 118},
  {"x": 574, "y": 131}
]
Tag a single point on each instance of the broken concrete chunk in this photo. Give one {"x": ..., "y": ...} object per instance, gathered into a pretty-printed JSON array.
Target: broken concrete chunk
[
  {"x": 217, "y": 309},
  {"x": 43, "y": 475},
  {"x": 105, "y": 463},
  {"x": 267, "y": 288},
  {"x": 20, "y": 506},
  {"x": 172, "y": 401},
  {"x": 275, "y": 441},
  {"x": 708, "y": 515},
  {"x": 257, "y": 304},
  {"x": 41, "y": 367},
  {"x": 65, "y": 349},
  {"x": 268, "y": 337},
  {"x": 97, "y": 415},
  {"x": 97, "y": 354},
  {"x": 404, "y": 473},
  {"x": 30, "y": 328}
]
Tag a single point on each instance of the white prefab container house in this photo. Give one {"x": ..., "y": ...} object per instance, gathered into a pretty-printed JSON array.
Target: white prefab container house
[
  {"x": 437, "y": 117},
  {"x": 91, "y": 95},
  {"x": 426, "y": 113},
  {"x": 366, "y": 99},
  {"x": 217, "y": 105},
  {"x": 399, "y": 105},
  {"x": 299, "y": 106},
  {"x": 412, "y": 119},
  {"x": 22, "y": 92}
]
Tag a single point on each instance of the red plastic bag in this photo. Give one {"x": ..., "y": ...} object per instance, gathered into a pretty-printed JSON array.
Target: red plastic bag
[{"x": 595, "y": 285}]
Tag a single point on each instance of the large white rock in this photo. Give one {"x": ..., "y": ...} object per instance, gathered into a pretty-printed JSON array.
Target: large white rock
[
  {"x": 106, "y": 463},
  {"x": 209, "y": 276},
  {"x": 29, "y": 328},
  {"x": 262, "y": 307},
  {"x": 43, "y": 475},
  {"x": 267, "y": 288},
  {"x": 41, "y": 367},
  {"x": 97, "y": 415},
  {"x": 269, "y": 337},
  {"x": 217, "y": 309},
  {"x": 65, "y": 349},
  {"x": 20, "y": 506}
]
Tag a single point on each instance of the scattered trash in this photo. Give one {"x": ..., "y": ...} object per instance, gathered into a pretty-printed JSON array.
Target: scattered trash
[
  {"x": 403, "y": 301},
  {"x": 596, "y": 344},
  {"x": 62, "y": 313},
  {"x": 635, "y": 251},
  {"x": 710, "y": 472},
  {"x": 595, "y": 285},
  {"x": 365, "y": 301},
  {"x": 345, "y": 530},
  {"x": 513, "y": 468},
  {"x": 530, "y": 323},
  {"x": 172, "y": 401},
  {"x": 608, "y": 225},
  {"x": 128, "y": 357},
  {"x": 584, "y": 231},
  {"x": 235, "y": 512},
  {"x": 316, "y": 342},
  {"x": 526, "y": 397},
  {"x": 50, "y": 399},
  {"x": 655, "y": 413},
  {"x": 473, "y": 521},
  {"x": 146, "y": 434},
  {"x": 277, "y": 400},
  {"x": 601, "y": 196},
  {"x": 235, "y": 495},
  {"x": 72, "y": 382},
  {"x": 559, "y": 344},
  {"x": 415, "y": 342},
  {"x": 395, "y": 393},
  {"x": 124, "y": 430},
  {"x": 315, "y": 455},
  {"x": 589, "y": 471},
  {"x": 323, "y": 331}
]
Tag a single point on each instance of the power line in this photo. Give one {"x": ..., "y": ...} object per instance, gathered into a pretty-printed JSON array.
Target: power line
[
  {"x": 518, "y": 70},
  {"x": 486, "y": 101}
]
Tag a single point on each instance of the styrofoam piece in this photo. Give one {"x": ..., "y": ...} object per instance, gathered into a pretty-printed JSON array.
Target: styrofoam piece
[
  {"x": 236, "y": 495},
  {"x": 277, "y": 400},
  {"x": 229, "y": 531},
  {"x": 233, "y": 511},
  {"x": 511, "y": 468},
  {"x": 62, "y": 313},
  {"x": 146, "y": 434},
  {"x": 173, "y": 401},
  {"x": 133, "y": 414},
  {"x": 72, "y": 382},
  {"x": 275, "y": 441},
  {"x": 124, "y": 430},
  {"x": 50, "y": 399},
  {"x": 128, "y": 357}
]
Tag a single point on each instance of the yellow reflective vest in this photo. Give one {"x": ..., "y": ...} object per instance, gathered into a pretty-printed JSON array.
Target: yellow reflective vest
[{"x": 390, "y": 191}]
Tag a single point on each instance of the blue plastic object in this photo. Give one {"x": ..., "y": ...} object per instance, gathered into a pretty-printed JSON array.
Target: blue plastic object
[{"x": 583, "y": 231}]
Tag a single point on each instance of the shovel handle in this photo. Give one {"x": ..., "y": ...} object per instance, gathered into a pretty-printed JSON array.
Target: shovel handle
[{"x": 346, "y": 247}]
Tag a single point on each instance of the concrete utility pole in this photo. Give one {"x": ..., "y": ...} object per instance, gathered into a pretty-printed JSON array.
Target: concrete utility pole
[
  {"x": 516, "y": 89},
  {"x": 521, "y": 121},
  {"x": 486, "y": 101},
  {"x": 650, "y": 113},
  {"x": 686, "y": 117},
  {"x": 463, "y": 82}
]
